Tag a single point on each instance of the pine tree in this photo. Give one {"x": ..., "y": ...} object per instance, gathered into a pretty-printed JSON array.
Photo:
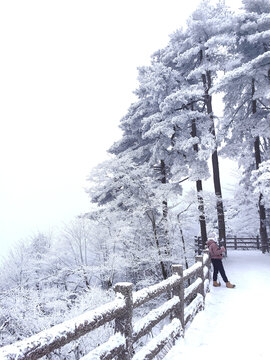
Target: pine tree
[
  {"x": 246, "y": 83},
  {"x": 183, "y": 108},
  {"x": 198, "y": 53},
  {"x": 129, "y": 196}
]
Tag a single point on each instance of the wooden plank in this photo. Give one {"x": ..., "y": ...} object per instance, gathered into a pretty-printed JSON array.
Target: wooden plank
[
  {"x": 243, "y": 243},
  {"x": 188, "y": 273},
  {"x": 108, "y": 350},
  {"x": 144, "y": 325},
  {"x": 142, "y": 296},
  {"x": 169, "y": 332}
]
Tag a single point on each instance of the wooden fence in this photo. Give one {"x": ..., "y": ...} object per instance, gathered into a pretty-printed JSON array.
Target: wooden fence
[
  {"x": 236, "y": 243},
  {"x": 183, "y": 304}
]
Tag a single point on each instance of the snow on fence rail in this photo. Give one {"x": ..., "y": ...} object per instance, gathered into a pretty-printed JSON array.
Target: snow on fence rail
[
  {"x": 183, "y": 305},
  {"x": 237, "y": 243}
]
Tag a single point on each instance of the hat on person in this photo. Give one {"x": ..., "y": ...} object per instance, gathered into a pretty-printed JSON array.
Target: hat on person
[{"x": 212, "y": 236}]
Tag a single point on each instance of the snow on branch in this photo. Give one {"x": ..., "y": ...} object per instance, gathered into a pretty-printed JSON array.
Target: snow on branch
[
  {"x": 261, "y": 180},
  {"x": 247, "y": 69},
  {"x": 186, "y": 55},
  {"x": 262, "y": 36}
]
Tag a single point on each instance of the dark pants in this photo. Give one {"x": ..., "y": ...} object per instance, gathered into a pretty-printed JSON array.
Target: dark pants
[{"x": 218, "y": 268}]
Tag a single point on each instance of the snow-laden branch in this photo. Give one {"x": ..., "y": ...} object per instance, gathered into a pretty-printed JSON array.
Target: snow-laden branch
[{"x": 248, "y": 69}]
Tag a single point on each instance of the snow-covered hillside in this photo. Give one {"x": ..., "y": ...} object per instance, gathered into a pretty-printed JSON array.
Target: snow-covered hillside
[{"x": 235, "y": 322}]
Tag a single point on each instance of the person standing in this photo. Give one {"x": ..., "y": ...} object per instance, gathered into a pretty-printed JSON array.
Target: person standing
[{"x": 216, "y": 259}]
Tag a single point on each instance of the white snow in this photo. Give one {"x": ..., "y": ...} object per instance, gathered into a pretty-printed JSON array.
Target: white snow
[
  {"x": 192, "y": 287},
  {"x": 143, "y": 295},
  {"x": 155, "y": 314},
  {"x": 56, "y": 333},
  {"x": 173, "y": 329},
  {"x": 188, "y": 272},
  {"x": 234, "y": 324},
  {"x": 206, "y": 286},
  {"x": 205, "y": 271},
  {"x": 205, "y": 258},
  {"x": 192, "y": 309},
  {"x": 114, "y": 342}
]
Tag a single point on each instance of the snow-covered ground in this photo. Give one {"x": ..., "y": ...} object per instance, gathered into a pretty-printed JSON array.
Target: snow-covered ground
[{"x": 235, "y": 322}]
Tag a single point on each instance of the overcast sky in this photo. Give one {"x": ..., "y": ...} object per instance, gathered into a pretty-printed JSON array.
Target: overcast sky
[{"x": 67, "y": 73}]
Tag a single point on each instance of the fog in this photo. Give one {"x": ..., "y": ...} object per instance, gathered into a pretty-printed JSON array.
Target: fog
[{"x": 68, "y": 71}]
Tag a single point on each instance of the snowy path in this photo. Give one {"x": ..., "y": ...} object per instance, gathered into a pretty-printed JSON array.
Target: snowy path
[{"x": 235, "y": 323}]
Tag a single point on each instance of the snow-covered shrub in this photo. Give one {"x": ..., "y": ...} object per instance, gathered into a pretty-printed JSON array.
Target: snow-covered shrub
[{"x": 25, "y": 312}]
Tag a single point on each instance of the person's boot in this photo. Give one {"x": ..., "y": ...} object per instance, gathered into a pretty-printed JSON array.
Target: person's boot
[
  {"x": 216, "y": 283},
  {"x": 229, "y": 285}
]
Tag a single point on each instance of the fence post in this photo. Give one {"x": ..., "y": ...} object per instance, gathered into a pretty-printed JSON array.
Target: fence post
[
  {"x": 235, "y": 243},
  {"x": 258, "y": 242},
  {"x": 179, "y": 290},
  {"x": 196, "y": 243},
  {"x": 208, "y": 264},
  {"x": 199, "y": 258},
  {"x": 123, "y": 323}
]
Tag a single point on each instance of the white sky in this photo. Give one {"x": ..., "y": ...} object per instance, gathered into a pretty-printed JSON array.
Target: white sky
[{"x": 67, "y": 72}]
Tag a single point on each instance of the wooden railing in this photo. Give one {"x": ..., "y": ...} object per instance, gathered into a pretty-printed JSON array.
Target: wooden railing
[
  {"x": 182, "y": 306},
  {"x": 243, "y": 243},
  {"x": 236, "y": 243}
]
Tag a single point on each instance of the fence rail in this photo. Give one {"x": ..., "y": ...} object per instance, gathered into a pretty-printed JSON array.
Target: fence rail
[
  {"x": 236, "y": 243},
  {"x": 183, "y": 305}
]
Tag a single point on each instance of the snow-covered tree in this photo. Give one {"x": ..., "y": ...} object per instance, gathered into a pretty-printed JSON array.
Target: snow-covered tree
[
  {"x": 28, "y": 262},
  {"x": 208, "y": 29},
  {"x": 246, "y": 123},
  {"x": 197, "y": 54},
  {"x": 261, "y": 180},
  {"x": 148, "y": 142},
  {"x": 130, "y": 196},
  {"x": 183, "y": 109}
]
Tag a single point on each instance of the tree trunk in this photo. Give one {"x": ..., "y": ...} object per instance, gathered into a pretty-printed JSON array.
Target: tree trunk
[
  {"x": 184, "y": 247},
  {"x": 207, "y": 82},
  {"x": 165, "y": 220},
  {"x": 164, "y": 181},
  {"x": 154, "y": 227},
  {"x": 199, "y": 194},
  {"x": 262, "y": 213},
  {"x": 220, "y": 210}
]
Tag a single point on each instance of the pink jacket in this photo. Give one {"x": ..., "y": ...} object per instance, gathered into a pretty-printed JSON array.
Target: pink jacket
[{"x": 214, "y": 251}]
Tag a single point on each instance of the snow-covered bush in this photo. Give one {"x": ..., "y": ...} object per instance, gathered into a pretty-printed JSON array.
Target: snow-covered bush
[{"x": 24, "y": 312}]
